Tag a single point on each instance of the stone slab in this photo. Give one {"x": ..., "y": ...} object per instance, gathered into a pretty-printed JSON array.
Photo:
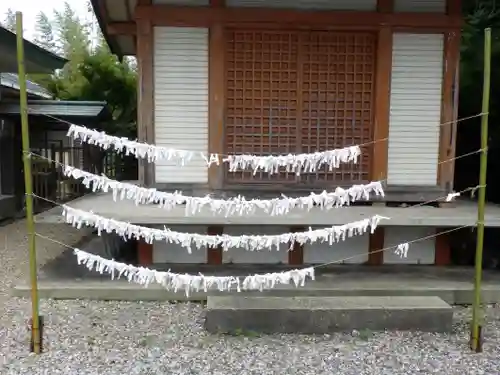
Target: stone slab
[
  {"x": 120, "y": 290},
  {"x": 319, "y": 315}
]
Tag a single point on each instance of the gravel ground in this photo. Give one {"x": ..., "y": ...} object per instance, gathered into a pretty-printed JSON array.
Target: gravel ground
[{"x": 83, "y": 337}]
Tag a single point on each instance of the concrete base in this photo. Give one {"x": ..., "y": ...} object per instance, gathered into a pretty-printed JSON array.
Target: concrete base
[
  {"x": 317, "y": 315},
  {"x": 64, "y": 279},
  {"x": 120, "y": 290}
]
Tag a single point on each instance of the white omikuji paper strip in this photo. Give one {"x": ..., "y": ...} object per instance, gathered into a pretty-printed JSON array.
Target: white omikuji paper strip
[
  {"x": 295, "y": 163},
  {"x": 78, "y": 218},
  {"x": 228, "y": 207},
  {"x": 402, "y": 250},
  {"x": 176, "y": 282}
]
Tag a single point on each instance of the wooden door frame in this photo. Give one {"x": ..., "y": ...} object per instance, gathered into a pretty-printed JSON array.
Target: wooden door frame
[{"x": 297, "y": 184}]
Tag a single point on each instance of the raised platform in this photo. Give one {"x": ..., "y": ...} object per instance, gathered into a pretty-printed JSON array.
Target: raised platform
[
  {"x": 452, "y": 284},
  {"x": 319, "y": 315},
  {"x": 460, "y": 214}
]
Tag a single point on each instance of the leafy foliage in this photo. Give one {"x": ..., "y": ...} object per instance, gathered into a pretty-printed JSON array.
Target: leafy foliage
[
  {"x": 92, "y": 73},
  {"x": 44, "y": 36},
  {"x": 9, "y": 21},
  {"x": 102, "y": 77},
  {"x": 478, "y": 15}
]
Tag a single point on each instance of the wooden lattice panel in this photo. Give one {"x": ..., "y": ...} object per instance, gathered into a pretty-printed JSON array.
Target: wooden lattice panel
[
  {"x": 337, "y": 76},
  {"x": 262, "y": 104},
  {"x": 298, "y": 91}
]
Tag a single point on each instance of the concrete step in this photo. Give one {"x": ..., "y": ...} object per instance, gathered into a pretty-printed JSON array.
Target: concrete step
[
  {"x": 459, "y": 293},
  {"x": 318, "y": 315}
]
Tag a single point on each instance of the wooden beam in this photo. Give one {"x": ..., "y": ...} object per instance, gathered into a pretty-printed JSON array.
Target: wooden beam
[
  {"x": 145, "y": 105},
  {"x": 447, "y": 131},
  {"x": 144, "y": 253},
  {"x": 216, "y": 87},
  {"x": 296, "y": 254},
  {"x": 454, "y": 7},
  {"x": 121, "y": 28},
  {"x": 382, "y": 104},
  {"x": 385, "y": 6},
  {"x": 169, "y": 15},
  {"x": 376, "y": 243},
  {"x": 449, "y": 102},
  {"x": 214, "y": 255},
  {"x": 442, "y": 250}
]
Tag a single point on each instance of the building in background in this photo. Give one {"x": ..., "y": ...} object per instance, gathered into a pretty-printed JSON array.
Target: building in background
[
  {"x": 272, "y": 76},
  {"x": 49, "y": 121}
]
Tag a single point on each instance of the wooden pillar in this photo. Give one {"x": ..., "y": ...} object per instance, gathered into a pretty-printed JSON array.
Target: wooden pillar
[
  {"x": 296, "y": 254},
  {"x": 447, "y": 131},
  {"x": 145, "y": 95},
  {"x": 216, "y": 88},
  {"x": 145, "y": 110},
  {"x": 376, "y": 243},
  {"x": 381, "y": 121},
  {"x": 144, "y": 253},
  {"x": 214, "y": 255},
  {"x": 442, "y": 251},
  {"x": 382, "y": 96}
]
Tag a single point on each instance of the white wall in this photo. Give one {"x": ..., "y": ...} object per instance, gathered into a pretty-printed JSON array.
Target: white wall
[
  {"x": 313, "y": 254},
  {"x": 420, "y": 252},
  {"x": 171, "y": 253},
  {"x": 181, "y": 99},
  {"x": 323, "y": 253},
  {"x": 415, "y": 109}
]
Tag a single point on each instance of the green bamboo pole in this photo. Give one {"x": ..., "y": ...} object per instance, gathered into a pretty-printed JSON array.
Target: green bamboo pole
[
  {"x": 30, "y": 223},
  {"x": 475, "y": 339}
]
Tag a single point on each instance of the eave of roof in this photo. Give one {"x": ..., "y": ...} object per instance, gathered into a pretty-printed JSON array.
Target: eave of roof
[
  {"x": 11, "y": 80},
  {"x": 101, "y": 17},
  {"x": 60, "y": 109},
  {"x": 38, "y": 60}
]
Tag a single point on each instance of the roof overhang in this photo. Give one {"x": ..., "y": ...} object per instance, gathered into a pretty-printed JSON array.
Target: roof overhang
[
  {"x": 11, "y": 81},
  {"x": 59, "y": 109},
  {"x": 37, "y": 59},
  {"x": 115, "y": 18}
]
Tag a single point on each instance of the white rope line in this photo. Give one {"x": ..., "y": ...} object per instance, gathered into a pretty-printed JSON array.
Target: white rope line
[
  {"x": 188, "y": 283},
  {"x": 271, "y": 164},
  {"x": 175, "y": 282},
  {"x": 79, "y": 218},
  {"x": 452, "y": 122},
  {"x": 228, "y": 207},
  {"x": 301, "y": 163},
  {"x": 238, "y": 205}
]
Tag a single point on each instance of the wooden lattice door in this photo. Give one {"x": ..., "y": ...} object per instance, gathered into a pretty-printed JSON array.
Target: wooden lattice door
[{"x": 299, "y": 91}]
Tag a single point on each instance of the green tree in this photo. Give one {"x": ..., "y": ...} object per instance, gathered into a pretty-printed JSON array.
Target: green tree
[
  {"x": 9, "y": 21},
  {"x": 102, "y": 77},
  {"x": 93, "y": 72},
  {"x": 44, "y": 36},
  {"x": 478, "y": 15},
  {"x": 73, "y": 34}
]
